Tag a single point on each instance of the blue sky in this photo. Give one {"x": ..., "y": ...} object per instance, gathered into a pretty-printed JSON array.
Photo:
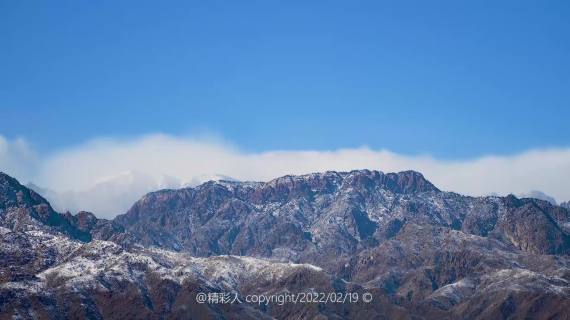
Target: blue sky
[{"x": 453, "y": 79}]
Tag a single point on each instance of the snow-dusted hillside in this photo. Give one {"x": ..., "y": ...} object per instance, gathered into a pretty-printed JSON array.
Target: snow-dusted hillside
[{"x": 417, "y": 251}]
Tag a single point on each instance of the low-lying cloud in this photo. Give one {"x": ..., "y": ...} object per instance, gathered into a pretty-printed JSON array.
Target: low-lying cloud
[
  {"x": 107, "y": 175},
  {"x": 17, "y": 158}
]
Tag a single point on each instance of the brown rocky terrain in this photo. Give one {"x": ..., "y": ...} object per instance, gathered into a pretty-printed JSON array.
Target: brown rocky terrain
[{"x": 421, "y": 252}]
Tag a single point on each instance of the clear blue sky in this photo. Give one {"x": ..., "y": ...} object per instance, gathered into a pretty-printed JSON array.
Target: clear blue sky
[{"x": 454, "y": 79}]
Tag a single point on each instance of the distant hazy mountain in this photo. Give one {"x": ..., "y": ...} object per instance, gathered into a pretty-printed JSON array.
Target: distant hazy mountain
[
  {"x": 115, "y": 194},
  {"x": 539, "y": 195},
  {"x": 421, "y": 252}
]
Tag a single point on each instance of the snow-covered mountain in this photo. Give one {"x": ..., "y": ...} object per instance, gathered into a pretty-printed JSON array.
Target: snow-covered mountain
[{"x": 420, "y": 252}]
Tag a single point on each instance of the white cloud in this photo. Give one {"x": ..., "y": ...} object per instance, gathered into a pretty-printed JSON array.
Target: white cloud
[
  {"x": 17, "y": 158},
  {"x": 106, "y": 176}
]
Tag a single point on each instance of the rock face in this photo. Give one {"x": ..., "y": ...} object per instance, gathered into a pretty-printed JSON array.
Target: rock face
[
  {"x": 324, "y": 216},
  {"x": 422, "y": 253}
]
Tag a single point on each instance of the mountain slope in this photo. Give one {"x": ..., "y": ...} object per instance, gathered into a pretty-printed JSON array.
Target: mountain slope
[
  {"x": 420, "y": 252},
  {"x": 23, "y": 209},
  {"x": 59, "y": 278},
  {"x": 321, "y": 216}
]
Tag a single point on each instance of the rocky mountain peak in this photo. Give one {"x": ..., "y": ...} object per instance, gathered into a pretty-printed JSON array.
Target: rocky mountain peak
[
  {"x": 291, "y": 186},
  {"x": 22, "y": 208},
  {"x": 13, "y": 194},
  {"x": 83, "y": 220},
  {"x": 401, "y": 182}
]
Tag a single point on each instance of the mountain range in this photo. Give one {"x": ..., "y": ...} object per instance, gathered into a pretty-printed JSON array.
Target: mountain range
[{"x": 420, "y": 252}]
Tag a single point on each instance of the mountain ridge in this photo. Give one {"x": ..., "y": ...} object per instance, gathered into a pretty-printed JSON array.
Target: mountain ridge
[
  {"x": 399, "y": 192},
  {"x": 421, "y": 252}
]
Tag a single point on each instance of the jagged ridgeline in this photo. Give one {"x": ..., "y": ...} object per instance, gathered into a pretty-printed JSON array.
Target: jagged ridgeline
[{"x": 421, "y": 252}]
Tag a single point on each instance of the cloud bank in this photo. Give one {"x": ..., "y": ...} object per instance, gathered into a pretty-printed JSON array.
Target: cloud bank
[
  {"x": 107, "y": 175},
  {"x": 17, "y": 158}
]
